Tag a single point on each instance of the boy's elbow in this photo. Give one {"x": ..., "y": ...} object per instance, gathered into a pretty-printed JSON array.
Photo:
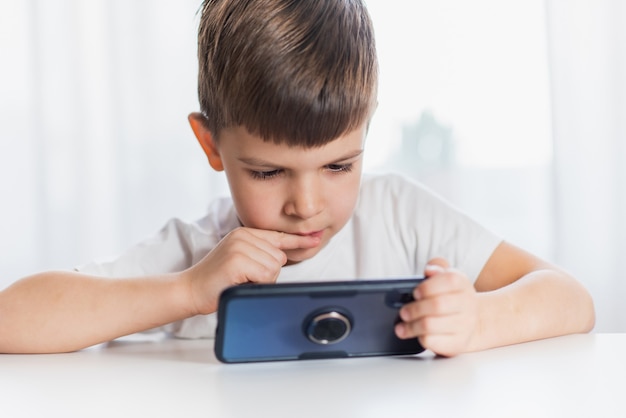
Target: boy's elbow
[{"x": 586, "y": 309}]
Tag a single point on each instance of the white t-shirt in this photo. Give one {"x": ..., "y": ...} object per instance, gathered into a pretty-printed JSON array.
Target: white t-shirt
[{"x": 397, "y": 226}]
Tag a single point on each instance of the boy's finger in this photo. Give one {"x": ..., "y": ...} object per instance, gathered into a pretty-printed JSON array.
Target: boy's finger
[
  {"x": 439, "y": 261},
  {"x": 285, "y": 241},
  {"x": 436, "y": 266},
  {"x": 432, "y": 269},
  {"x": 447, "y": 282}
]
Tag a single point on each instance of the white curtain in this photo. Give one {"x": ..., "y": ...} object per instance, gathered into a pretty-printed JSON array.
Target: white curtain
[
  {"x": 588, "y": 62},
  {"x": 95, "y": 149}
]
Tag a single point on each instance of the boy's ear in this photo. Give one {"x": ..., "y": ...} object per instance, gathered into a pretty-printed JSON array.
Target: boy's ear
[{"x": 205, "y": 138}]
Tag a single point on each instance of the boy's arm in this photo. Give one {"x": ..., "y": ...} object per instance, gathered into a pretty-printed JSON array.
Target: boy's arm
[
  {"x": 516, "y": 298},
  {"x": 544, "y": 302},
  {"x": 67, "y": 311}
]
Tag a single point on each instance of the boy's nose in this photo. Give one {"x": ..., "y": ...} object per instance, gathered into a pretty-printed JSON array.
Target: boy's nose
[{"x": 305, "y": 199}]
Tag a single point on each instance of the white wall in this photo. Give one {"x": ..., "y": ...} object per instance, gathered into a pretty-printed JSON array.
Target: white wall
[{"x": 512, "y": 110}]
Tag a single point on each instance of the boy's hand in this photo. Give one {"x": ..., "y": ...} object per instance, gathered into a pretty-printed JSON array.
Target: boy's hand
[
  {"x": 444, "y": 315},
  {"x": 244, "y": 255}
]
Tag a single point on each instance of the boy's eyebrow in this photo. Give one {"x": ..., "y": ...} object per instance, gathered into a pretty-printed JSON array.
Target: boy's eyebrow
[{"x": 262, "y": 163}]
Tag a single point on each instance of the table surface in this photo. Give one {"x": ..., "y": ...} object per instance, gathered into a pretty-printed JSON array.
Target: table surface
[{"x": 576, "y": 375}]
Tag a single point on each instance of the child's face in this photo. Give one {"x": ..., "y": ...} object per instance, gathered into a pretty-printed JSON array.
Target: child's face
[{"x": 292, "y": 189}]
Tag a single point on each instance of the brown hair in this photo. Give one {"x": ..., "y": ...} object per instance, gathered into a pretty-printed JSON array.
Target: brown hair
[{"x": 300, "y": 72}]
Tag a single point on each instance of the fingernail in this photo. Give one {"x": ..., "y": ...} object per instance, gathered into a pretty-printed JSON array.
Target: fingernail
[
  {"x": 315, "y": 241},
  {"x": 434, "y": 267}
]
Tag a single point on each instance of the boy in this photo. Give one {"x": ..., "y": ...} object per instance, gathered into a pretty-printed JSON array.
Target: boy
[{"x": 287, "y": 89}]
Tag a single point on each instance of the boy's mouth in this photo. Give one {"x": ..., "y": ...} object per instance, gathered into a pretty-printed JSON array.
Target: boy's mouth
[{"x": 315, "y": 234}]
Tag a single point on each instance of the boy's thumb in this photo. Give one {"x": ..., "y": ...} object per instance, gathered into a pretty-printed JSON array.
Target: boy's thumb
[{"x": 436, "y": 265}]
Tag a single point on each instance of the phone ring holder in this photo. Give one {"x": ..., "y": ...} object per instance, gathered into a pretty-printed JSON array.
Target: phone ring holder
[{"x": 327, "y": 327}]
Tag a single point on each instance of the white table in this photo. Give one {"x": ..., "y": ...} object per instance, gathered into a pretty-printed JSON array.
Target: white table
[{"x": 577, "y": 375}]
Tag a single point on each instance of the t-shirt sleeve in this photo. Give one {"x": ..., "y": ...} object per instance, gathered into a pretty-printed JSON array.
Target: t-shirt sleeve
[
  {"x": 444, "y": 230},
  {"x": 424, "y": 225},
  {"x": 176, "y": 247}
]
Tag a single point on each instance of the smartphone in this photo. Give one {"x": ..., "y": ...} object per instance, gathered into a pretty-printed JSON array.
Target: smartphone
[{"x": 313, "y": 320}]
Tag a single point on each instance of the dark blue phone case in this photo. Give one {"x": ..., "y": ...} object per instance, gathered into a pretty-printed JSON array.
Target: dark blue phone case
[{"x": 296, "y": 321}]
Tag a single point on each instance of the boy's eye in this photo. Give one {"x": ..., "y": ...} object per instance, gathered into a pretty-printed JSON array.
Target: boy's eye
[
  {"x": 264, "y": 175},
  {"x": 339, "y": 168}
]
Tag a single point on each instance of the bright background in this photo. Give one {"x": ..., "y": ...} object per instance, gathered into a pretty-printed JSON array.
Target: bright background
[{"x": 515, "y": 111}]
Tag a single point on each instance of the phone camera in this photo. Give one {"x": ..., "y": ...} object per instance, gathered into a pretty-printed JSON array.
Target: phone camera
[
  {"x": 328, "y": 327},
  {"x": 397, "y": 299}
]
